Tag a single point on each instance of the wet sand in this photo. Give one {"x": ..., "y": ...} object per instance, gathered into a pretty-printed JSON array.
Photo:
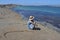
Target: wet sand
[{"x": 13, "y": 27}]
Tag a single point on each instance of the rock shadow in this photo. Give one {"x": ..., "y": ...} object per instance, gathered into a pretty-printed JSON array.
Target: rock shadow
[{"x": 37, "y": 28}]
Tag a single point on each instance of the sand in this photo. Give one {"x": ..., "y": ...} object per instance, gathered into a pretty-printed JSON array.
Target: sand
[{"x": 13, "y": 27}]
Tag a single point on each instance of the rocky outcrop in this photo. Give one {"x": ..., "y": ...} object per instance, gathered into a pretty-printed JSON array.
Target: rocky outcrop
[{"x": 8, "y": 5}]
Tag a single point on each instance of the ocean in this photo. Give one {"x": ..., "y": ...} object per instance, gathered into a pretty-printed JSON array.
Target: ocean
[{"x": 46, "y": 15}]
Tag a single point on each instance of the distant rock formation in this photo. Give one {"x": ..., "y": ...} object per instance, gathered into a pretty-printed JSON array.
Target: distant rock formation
[{"x": 8, "y": 5}]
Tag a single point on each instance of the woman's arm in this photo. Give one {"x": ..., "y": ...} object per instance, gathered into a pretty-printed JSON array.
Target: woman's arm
[{"x": 33, "y": 22}]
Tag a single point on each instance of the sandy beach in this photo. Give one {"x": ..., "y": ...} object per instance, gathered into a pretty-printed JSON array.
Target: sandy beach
[{"x": 13, "y": 27}]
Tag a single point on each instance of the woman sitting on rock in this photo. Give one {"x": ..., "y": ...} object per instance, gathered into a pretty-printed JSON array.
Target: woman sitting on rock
[{"x": 31, "y": 23}]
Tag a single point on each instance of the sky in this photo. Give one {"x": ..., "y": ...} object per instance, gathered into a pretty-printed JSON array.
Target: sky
[{"x": 31, "y": 2}]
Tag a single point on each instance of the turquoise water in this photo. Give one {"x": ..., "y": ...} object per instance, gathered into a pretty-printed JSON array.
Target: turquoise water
[{"x": 43, "y": 14}]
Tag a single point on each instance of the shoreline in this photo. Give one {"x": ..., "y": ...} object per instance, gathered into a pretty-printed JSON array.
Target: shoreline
[
  {"x": 16, "y": 28},
  {"x": 43, "y": 24},
  {"x": 54, "y": 27}
]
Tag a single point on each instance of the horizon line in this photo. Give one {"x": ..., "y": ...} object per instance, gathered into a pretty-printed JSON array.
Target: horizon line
[{"x": 29, "y": 5}]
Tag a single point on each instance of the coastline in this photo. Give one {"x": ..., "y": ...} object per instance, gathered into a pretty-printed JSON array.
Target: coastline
[
  {"x": 43, "y": 23},
  {"x": 16, "y": 28}
]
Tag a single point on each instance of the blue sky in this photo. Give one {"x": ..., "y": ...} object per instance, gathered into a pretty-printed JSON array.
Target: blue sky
[{"x": 31, "y": 2}]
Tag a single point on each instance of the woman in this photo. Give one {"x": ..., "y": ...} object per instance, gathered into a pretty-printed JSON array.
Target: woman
[{"x": 31, "y": 23}]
